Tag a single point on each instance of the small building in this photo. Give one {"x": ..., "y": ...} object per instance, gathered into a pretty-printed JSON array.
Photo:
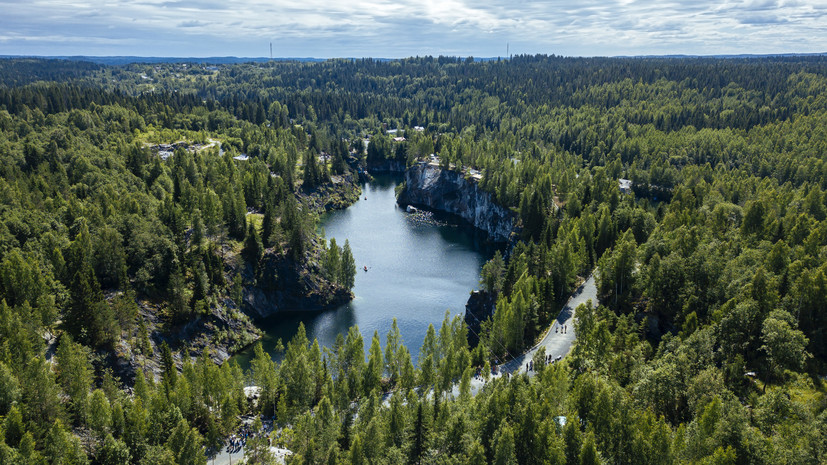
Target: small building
[
  {"x": 399, "y": 139},
  {"x": 625, "y": 185},
  {"x": 475, "y": 174}
]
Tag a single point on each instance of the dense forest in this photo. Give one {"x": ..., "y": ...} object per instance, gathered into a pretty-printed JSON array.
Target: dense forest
[{"x": 142, "y": 204}]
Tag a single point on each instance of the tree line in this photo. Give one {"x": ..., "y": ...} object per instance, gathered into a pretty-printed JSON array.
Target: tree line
[{"x": 708, "y": 346}]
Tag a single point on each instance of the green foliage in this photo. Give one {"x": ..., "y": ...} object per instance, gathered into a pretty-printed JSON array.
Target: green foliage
[
  {"x": 74, "y": 374},
  {"x": 112, "y": 452},
  {"x": 338, "y": 264},
  {"x": 100, "y": 413},
  {"x": 347, "y": 272},
  {"x": 253, "y": 247},
  {"x": 713, "y": 266},
  {"x": 9, "y": 389},
  {"x": 491, "y": 276},
  {"x": 13, "y": 427},
  {"x": 257, "y": 450}
]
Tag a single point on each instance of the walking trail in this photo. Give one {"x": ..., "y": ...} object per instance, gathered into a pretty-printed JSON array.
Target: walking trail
[{"x": 556, "y": 343}]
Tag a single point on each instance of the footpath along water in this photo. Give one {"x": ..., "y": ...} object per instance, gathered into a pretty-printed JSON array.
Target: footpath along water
[{"x": 418, "y": 265}]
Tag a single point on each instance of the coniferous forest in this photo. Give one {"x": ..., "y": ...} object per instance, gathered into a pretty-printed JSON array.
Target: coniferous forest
[{"x": 146, "y": 208}]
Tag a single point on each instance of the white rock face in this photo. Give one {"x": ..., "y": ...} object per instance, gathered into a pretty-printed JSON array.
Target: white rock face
[{"x": 436, "y": 189}]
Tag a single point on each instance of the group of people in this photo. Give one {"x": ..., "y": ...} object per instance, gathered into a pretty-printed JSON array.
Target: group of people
[
  {"x": 529, "y": 366},
  {"x": 239, "y": 439},
  {"x": 478, "y": 374}
]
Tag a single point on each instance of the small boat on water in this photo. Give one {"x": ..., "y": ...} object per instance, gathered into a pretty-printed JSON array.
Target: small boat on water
[{"x": 366, "y": 268}]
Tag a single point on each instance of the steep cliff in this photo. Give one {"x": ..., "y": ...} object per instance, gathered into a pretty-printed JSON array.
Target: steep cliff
[
  {"x": 480, "y": 307},
  {"x": 283, "y": 284},
  {"x": 428, "y": 186}
]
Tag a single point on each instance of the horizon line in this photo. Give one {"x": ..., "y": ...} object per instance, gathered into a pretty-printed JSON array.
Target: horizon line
[{"x": 492, "y": 57}]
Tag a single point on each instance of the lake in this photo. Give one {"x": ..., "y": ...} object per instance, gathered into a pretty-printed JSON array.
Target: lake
[{"x": 419, "y": 266}]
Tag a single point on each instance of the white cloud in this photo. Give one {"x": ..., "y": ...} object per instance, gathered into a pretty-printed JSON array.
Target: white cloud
[{"x": 402, "y": 28}]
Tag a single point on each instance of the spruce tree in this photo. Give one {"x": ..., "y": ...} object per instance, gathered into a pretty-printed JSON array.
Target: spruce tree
[
  {"x": 333, "y": 261},
  {"x": 253, "y": 248},
  {"x": 347, "y": 272}
]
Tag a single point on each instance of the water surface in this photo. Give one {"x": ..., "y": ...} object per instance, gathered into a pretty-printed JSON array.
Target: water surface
[{"x": 416, "y": 271}]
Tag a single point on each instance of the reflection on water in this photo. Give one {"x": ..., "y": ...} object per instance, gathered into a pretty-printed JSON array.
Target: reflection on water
[{"x": 416, "y": 271}]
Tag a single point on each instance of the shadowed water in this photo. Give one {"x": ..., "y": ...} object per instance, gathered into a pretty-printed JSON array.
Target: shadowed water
[{"x": 417, "y": 269}]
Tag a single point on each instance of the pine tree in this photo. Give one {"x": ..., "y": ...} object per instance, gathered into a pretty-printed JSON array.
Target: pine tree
[
  {"x": 392, "y": 343},
  {"x": 236, "y": 215},
  {"x": 186, "y": 445},
  {"x": 269, "y": 225},
  {"x": 13, "y": 426},
  {"x": 86, "y": 298},
  {"x": 169, "y": 375},
  {"x": 178, "y": 295},
  {"x": 61, "y": 447},
  {"x": 418, "y": 437},
  {"x": 333, "y": 261},
  {"x": 257, "y": 450},
  {"x": 74, "y": 374},
  {"x": 348, "y": 267},
  {"x": 253, "y": 248},
  {"x": 9, "y": 389},
  {"x": 373, "y": 371},
  {"x": 100, "y": 413},
  {"x": 504, "y": 449}
]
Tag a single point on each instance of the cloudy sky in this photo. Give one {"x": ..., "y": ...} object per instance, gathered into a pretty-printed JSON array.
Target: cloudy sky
[{"x": 384, "y": 28}]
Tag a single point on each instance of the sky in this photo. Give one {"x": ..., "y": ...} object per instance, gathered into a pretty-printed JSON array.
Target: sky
[{"x": 402, "y": 28}]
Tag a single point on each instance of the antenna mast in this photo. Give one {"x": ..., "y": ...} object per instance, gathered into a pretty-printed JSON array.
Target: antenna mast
[{"x": 271, "y": 51}]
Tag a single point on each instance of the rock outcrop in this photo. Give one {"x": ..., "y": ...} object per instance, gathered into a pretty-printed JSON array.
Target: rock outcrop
[
  {"x": 340, "y": 192},
  {"x": 480, "y": 307},
  {"x": 282, "y": 284},
  {"x": 430, "y": 187},
  {"x": 217, "y": 333}
]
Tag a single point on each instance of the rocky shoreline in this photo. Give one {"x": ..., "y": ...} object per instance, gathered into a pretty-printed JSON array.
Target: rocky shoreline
[
  {"x": 431, "y": 187},
  {"x": 284, "y": 284}
]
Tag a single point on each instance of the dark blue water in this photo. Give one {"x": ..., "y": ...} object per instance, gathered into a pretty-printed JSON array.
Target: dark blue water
[{"x": 416, "y": 271}]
